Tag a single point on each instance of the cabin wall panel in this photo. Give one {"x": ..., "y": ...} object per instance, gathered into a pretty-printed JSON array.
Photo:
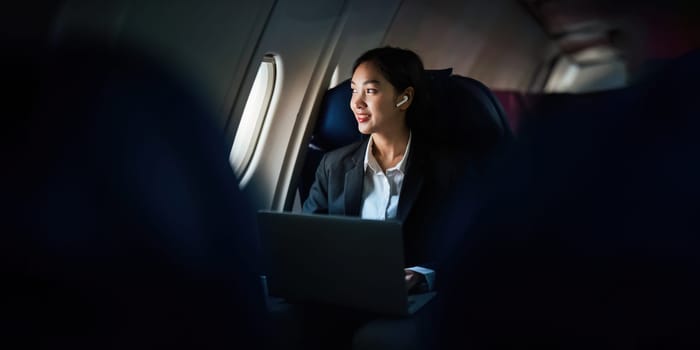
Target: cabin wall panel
[
  {"x": 497, "y": 42},
  {"x": 365, "y": 28},
  {"x": 209, "y": 43}
]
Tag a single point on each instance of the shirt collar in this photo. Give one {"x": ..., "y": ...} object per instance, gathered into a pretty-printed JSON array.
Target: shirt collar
[{"x": 371, "y": 162}]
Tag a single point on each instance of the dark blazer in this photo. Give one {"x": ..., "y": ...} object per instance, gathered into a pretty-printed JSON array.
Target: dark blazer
[{"x": 430, "y": 175}]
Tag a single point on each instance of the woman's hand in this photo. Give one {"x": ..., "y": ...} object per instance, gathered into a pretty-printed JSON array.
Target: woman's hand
[{"x": 413, "y": 279}]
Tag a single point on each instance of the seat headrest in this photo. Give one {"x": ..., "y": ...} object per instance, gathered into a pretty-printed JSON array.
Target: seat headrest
[
  {"x": 465, "y": 113},
  {"x": 336, "y": 125}
]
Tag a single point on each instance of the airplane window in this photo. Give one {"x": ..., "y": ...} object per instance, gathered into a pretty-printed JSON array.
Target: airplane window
[
  {"x": 563, "y": 75},
  {"x": 254, "y": 113},
  {"x": 578, "y": 76}
]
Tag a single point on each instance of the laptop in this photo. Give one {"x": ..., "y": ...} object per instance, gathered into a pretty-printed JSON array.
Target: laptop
[{"x": 337, "y": 260}]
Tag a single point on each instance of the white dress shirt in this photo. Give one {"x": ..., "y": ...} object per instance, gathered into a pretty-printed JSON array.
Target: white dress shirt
[{"x": 381, "y": 191}]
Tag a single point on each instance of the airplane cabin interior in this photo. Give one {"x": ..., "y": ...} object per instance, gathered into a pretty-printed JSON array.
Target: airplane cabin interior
[{"x": 149, "y": 133}]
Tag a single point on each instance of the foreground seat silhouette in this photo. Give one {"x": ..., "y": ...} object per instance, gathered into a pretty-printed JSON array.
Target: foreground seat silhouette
[
  {"x": 125, "y": 225},
  {"x": 589, "y": 237}
]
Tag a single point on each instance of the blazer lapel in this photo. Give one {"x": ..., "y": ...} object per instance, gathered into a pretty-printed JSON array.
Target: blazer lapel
[
  {"x": 413, "y": 181},
  {"x": 353, "y": 181}
]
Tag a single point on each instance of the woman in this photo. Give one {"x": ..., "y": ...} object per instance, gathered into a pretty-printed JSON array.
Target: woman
[
  {"x": 401, "y": 171},
  {"x": 389, "y": 175}
]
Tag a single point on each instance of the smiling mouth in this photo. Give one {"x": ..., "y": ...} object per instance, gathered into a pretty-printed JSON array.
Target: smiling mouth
[{"x": 361, "y": 118}]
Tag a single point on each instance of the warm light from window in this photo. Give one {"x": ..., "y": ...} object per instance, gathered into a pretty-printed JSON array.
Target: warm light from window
[{"x": 254, "y": 113}]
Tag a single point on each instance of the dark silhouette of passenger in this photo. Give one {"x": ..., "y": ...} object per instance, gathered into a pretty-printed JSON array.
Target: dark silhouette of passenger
[
  {"x": 588, "y": 236},
  {"x": 123, "y": 226}
]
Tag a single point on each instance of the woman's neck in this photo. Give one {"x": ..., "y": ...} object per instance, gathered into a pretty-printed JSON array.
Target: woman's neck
[{"x": 389, "y": 149}]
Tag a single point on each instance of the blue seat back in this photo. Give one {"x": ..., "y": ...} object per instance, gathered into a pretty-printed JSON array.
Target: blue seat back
[{"x": 335, "y": 127}]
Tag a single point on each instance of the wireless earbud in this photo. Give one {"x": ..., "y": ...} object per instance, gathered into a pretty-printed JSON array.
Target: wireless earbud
[{"x": 404, "y": 100}]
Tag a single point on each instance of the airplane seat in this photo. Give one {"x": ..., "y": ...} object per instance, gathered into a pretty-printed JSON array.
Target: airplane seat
[
  {"x": 335, "y": 127},
  {"x": 627, "y": 158},
  {"x": 465, "y": 117},
  {"x": 125, "y": 227}
]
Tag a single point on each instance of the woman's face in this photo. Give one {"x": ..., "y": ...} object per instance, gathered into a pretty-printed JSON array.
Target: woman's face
[{"x": 374, "y": 101}]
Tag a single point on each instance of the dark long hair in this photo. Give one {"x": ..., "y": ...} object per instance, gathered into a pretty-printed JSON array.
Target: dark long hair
[{"x": 403, "y": 69}]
